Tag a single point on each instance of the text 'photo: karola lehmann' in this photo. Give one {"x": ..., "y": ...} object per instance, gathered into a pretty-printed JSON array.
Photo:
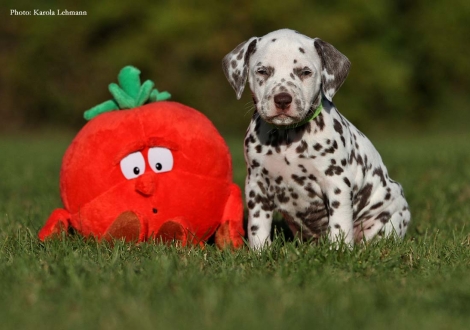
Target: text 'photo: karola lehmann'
[{"x": 49, "y": 12}]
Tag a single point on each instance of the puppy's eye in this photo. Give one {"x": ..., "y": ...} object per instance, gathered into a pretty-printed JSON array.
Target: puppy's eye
[
  {"x": 262, "y": 71},
  {"x": 303, "y": 73}
]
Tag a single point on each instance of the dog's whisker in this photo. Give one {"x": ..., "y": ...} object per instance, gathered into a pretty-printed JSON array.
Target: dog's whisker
[
  {"x": 248, "y": 104},
  {"x": 250, "y": 108}
]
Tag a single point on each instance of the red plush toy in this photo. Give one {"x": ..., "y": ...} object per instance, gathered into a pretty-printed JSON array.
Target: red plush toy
[{"x": 159, "y": 170}]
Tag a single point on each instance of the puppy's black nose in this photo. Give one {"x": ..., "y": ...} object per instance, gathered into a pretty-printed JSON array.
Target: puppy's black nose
[{"x": 283, "y": 100}]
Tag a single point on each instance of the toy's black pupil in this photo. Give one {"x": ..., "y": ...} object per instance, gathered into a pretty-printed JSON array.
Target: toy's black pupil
[
  {"x": 136, "y": 170},
  {"x": 158, "y": 166}
]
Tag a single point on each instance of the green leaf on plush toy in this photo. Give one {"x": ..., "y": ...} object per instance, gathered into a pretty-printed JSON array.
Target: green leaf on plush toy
[
  {"x": 124, "y": 100},
  {"x": 106, "y": 106},
  {"x": 128, "y": 93},
  {"x": 145, "y": 91},
  {"x": 129, "y": 80},
  {"x": 155, "y": 96}
]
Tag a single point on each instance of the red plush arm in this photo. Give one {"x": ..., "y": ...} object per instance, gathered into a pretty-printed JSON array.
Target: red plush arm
[
  {"x": 58, "y": 221},
  {"x": 231, "y": 230}
]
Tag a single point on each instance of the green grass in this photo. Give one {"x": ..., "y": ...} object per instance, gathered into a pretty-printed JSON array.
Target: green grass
[{"x": 422, "y": 282}]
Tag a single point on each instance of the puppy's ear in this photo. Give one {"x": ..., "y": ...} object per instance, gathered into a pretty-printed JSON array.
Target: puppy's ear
[
  {"x": 335, "y": 67},
  {"x": 235, "y": 65}
]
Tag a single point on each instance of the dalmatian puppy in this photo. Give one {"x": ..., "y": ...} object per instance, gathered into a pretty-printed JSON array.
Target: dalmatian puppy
[{"x": 304, "y": 159}]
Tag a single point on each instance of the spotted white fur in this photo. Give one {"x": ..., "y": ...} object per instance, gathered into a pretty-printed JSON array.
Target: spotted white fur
[{"x": 325, "y": 177}]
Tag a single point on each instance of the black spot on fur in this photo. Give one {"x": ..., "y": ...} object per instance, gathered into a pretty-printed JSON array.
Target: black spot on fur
[
  {"x": 309, "y": 189},
  {"x": 334, "y": 170},
  {"x": 337, "y": 126},
  {"x": 302, "y": 147},
  {"x": 317, "y": 147},
  {"x": 384, "y": 217},
  {"x": 378, "y": 171},
  {"x": 304, "y": 170},
  {"x": 261, "y": 187},
  {"x": 273, "y": 40},
  {"x": 249, "y": 139},
  {"x": 278, "y": 179},
  {"x": 301, "y": 50},
  {"x": 259, "y": 148},
  {"x": 236, "y": 77},
  {"x": 376, "y": 205},
  {"x": 320, "y": 122},
  {"x": 346, "y": 180},
  {"x": 362, "y": 199},
  {"x": 335, "y": 204},
  {"x": 256, "y": 214},
  {"x": 240, "y": 54},
  {"x": 282, "y": 198},
  {"x": 251, "y": 204},
  {"x": 337, "y": 191},
  {"x": 255, "y": 163},
  {"x": 254, "y": 228},
  {"x": 266, "y": 203},
  {"x": 299, "y": 179},
  {"x": 312, "y": 177},
  {"x": 352, "y": 156}
]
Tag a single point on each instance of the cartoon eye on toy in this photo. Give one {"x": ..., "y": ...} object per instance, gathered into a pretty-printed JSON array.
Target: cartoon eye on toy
[
  {"x": 133, "y": 165},
  {"x": 160, "y": 159}
]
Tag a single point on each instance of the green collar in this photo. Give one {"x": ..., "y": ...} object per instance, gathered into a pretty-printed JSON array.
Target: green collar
[{"x": 303, "y": 122}]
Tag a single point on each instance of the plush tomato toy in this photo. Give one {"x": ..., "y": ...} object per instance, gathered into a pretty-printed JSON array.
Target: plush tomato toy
[{"x": 159, "y": 170}]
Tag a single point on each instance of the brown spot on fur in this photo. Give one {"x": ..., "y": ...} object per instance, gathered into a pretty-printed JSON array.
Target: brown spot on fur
[{"x": 302, "y": 147}]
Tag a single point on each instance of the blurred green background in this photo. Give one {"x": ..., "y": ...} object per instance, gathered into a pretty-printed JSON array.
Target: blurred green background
[{"x": 410, "y": 59}]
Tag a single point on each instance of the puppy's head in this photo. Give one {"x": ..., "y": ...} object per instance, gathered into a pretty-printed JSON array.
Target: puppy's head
[{"x": 288, "y": 73}]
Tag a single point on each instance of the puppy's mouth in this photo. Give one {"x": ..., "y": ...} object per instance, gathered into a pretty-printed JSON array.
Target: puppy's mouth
[{"x": 282, "y": 119}]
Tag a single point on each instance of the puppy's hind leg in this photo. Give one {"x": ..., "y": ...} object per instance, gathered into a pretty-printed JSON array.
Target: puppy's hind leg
[{"x": 397, "y": 224}]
